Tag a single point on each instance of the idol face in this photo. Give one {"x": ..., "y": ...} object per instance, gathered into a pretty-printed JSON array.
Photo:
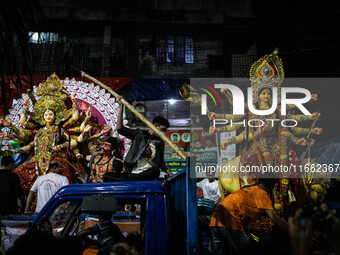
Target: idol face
[
  {"x": 49, "y": 116},
  {"x": 265, "y": 95}
]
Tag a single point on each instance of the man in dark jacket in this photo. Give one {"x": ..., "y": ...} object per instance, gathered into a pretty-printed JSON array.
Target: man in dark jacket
[
  {"x": 10, "y": 190},
  {"x": 108, "y": 232},
  {"x": 146, "y": 154}
]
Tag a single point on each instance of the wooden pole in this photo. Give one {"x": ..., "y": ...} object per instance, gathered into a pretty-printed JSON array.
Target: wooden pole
[{"x": 139, "y": 115}]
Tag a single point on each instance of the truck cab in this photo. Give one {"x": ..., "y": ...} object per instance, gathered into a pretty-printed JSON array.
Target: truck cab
[{"x": 167, "y": 220}]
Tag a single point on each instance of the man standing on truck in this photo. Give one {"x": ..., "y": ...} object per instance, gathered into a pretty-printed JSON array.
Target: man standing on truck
[
  {"x": 146, "y": 155},
  {"x": 236, "y": 211},
  {"x": 46, "y": 186}
]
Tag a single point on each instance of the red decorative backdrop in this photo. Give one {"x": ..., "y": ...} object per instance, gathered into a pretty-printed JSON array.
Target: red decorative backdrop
[{"x": 17, "y": 85}]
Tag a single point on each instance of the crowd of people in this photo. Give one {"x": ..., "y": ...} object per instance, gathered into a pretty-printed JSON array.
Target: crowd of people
[{"x": 310, "y": 230}]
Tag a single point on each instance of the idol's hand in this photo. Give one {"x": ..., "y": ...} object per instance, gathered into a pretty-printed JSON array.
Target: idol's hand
[
  {"x": 212, "y": 115},
  {"x": 106, "y": 129},
  {"x": 79, "y": 156},
  {"x": 313, "y": 116},
  {"x": 89, "y": 113},
  {"x": 303, "y": 142},
  {"x": 26, "y": 103},
  {"x": 224, "y": 91},
  {"x": 87, "y": 128},
  {"x": 317, "y": 131},
  {"x": 8, "y": 121},
  {"x": 224, "y": 145},
  {"x": 314, "y": 98},
  {"x": 213, "y": 130},
  {"x": 56, "y": 148},
  {"x": 72, "y": 97}
]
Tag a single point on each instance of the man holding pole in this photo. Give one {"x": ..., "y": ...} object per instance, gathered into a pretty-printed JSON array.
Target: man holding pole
[{"x": 146, "y": 155}]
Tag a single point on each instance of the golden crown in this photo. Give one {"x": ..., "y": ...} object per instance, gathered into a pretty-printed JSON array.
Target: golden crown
[
  {"x": 266, "y": 72},
  {"x": 52, "y": 98}
]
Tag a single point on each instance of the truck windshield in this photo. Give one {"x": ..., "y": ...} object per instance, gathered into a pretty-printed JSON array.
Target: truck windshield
[
  {"x": 62, "y": 214},
  {"x": 68, "y": 219}
]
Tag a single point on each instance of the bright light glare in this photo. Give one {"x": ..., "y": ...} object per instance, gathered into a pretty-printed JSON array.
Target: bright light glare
[{"x": 172, "y": 101}]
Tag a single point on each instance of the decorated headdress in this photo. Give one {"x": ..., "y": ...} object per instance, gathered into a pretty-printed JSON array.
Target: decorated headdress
[
  {"x": 52, "y": 98},
  {"x": 52, "y": 87},
  {"x": 267, "y": 72}
]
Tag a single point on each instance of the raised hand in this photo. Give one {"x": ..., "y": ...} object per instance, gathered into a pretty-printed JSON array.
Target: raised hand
[
  {"x": 300, "y": 236},
  {"x": 331, "y": 231}
]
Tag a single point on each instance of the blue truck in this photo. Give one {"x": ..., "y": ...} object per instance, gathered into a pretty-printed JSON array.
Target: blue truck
[{"x": 168, "y": 218}]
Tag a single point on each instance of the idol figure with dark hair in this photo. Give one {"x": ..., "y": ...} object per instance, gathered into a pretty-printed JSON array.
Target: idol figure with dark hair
[{"x": 108, "y": 159}]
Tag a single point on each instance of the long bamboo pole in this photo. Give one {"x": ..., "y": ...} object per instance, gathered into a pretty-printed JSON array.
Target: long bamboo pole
[{"x": 139, "y": 115}]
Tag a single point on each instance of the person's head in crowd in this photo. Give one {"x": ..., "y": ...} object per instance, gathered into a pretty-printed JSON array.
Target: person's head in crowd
[
  {"x": 121, "y": 248},
  {"x": 136, "y": 243},
  {"x": 198, "y": 144},
  {"x": 268, "y": 181},
  {"x": 7, "y": 163},
  {"x": 56, "y": 167},
  {"x": 210, "y": 176},
  {"x": 133, "y": 245},
  {"x": 72, "y": 245},
  {"x": 105, "y": 217},
  {"x": 161, "y": 123}
]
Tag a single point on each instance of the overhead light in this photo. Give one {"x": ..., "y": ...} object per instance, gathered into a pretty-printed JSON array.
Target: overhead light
[{"x": 172, "y": 101}]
